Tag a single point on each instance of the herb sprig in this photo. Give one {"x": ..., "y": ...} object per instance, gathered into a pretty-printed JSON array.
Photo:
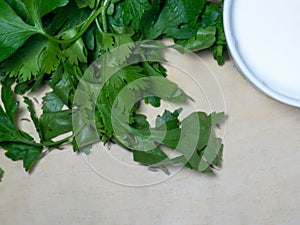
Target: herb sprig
[{"x": 55, "y": 42}]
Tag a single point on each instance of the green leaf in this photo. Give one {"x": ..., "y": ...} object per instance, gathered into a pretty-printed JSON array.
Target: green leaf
[
  {"x": 205, "y": 130},
  {"x": 30, "y": 54},
  {"x": 36, "y": 9},
  {"x": 117, "y": 18},
  {"x": 103, "y": 121},
  {"x": 54, "y": 124},
  {"x": 13, "y": 31},
  {"x": 63, "y": 83},
  {"x": 8, "y": 131},
  {"x": 84, "y": 132},
  {"x": 178, "y": 19},
  {"x": 68, "y": 17},
  {"x": 168, "y": 119},
  {"x": 85, "y": 3},
  {"x": 7, "y": 96},
  {"x": 133, "y": 12},
  {"x": 153, "y": 100},
  {"x": 46, "y": 6},
  {"x": 33, "y": 116},
  {"x": 50, "y": 57},
  {"x": 218, "y": 157},
  {"x": 126, "y": 99},
  {"x": 213, "y": 151},
  {"x": 30, "y": 85},
  {"x": 19, "y": 7},
  {"x": 110, "y": 9},
  {"x": 219, "y": 53},
  {"x": 38, "y": 56},
  {"x": 150, "y": 157},
  {"x": 207, "y": 152},
  {"x": 82, "y": 3},
  {"x": 150, "y": 17},
  {"x": 31, "y": 157},
  {"x": 19, "y": 151},
  {"x": 170, "y": 90},
  {"x": 204, "y": 38},
  {"x": 111, "y": 41},
  {"x": 140, "y": 122},
  {"x": 76, "y": 53},
  {"x": 1, "y": 173},
  {"x": 154, "y": 69},
  {"x": 210, "y": 18},
  {"x": 216, "y": 118},
  {"x": 168, "y": 122},
  {"x": 52, "y": 103}
]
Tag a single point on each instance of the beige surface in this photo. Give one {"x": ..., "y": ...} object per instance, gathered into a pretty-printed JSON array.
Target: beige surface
[{"x": 259, "y": 182}]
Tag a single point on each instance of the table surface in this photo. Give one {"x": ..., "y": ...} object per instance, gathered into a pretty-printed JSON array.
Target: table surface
[{"x": 258, "y": 182}]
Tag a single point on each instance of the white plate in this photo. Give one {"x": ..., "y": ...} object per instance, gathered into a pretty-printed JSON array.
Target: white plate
[{"x": 263, "y": 39}]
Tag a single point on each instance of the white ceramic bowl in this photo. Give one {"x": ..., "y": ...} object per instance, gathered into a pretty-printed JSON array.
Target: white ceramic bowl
[{"x": 263, "y": 40}]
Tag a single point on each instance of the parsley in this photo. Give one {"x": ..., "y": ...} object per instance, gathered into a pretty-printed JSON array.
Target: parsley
[{"x": 55, "y": 42}]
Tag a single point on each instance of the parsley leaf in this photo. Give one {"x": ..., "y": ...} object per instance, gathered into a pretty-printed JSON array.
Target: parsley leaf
[
  {"x": 52, "y": 103},
  {"x": 200, "y": 155},
  {"x": 76, "y": 53},
  {"x": 8, "y": 131},
  {"x": 33, "y": 116},
  {"x": 178, "y": 19},
  {"x": 54, "y": 42},
  {"x": 26, "y": 152},
  {"x": 150, "y": 157},
  {"x": 111, "y": 41},
  {"x": 36, "y": 9},
  {"x": 19, "y": 145},
  {"x": 13, "y": 31},
  {"x": 213, "y": 16},
  {"x": 67, "y": 17},
  {"x": 39, "y": 56},
  {"x": 54, "y": 124},
  {"x": 133, "y": 12},
  {"x": 207, "y": 152},
  {"x": 63, "y": 83},
  {"x": 85, "y": 3},
  {"x": 7, "y": 95},
  {"x": 204, "y": 38}
]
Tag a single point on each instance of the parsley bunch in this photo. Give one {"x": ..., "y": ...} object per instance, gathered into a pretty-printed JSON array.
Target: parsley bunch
[{"x": 55, "y": 42}]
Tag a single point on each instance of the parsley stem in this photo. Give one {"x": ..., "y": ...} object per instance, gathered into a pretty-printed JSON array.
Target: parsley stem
[
  {"x": 44, "y": 144},
  {"x": 104, "y": 19},
  {"x": 98, "y": 25},
  {"x": 28, "y": 142},
  {"x": 56, "y": 143},
  {"x": 90, "y": 20}
]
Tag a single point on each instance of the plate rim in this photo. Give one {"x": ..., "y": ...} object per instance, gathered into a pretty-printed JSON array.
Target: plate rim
[{"x": 242, "y": 66}]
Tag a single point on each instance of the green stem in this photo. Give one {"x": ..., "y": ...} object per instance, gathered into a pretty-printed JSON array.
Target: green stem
[
  {"x": 98, "y": 25},
  {"x": 97, "y": 3},
  {"x": 90, "y": 20},
  {"x": 44, "y": 144},
  {"x": 104, "y": 19},
  {"x": 50, "y": 144},
  {"x": 25, "y": 141}
]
